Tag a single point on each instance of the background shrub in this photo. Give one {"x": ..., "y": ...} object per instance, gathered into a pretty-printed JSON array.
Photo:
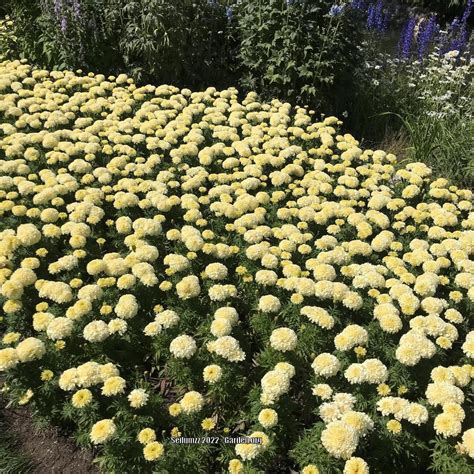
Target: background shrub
[
  {"x": 8, "y": 40},
  {"x": 59, "y": 34},
  {"x": 181, "y": 42},
  {"x": 297, "y": 50},
  {"x": 442, "y": 7}
]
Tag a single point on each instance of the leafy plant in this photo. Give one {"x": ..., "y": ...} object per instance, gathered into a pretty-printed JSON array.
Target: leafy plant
[
  {"x": 181, "y": 42},
  {"x": 8, "y": 39},
  {"x": 297, "y": 50}
]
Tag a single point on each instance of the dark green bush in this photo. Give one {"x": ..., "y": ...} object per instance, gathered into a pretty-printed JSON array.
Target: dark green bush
[
  {"x": 58, "y": 34},
  {"x": 181, "y": 42},
  {"x": 296, "y": 50},
  {"x": 444, "y": 8}
]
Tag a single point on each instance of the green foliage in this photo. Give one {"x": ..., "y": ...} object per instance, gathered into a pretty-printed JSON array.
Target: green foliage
[
  {"x": 442, "y": 7},
  {"x": 434, "y": 112},
  {"x": 8, "y": 40},
  {"x": 181, "y": 42},
  {"x": 446, "y": 459},
  {"x": 296, "y": 50},
  {"x": 63, "y": 37}
]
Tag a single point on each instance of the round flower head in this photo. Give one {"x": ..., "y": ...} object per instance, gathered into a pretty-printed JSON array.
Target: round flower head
[
  {"x": 249, "y": 451},
  {"x": 212, "y": 373},
  {"x": 59, "y": 328},
  {"x": 286, "y": 368},
  {"x": 326, "y": 365},
  {"x": 268, "y": 418},
  {"x": 322, "y": 390},
  {"x": 356, "y": 466},
  {"x": 235, "y": 466},
  {"x": 274, "y": 384},
  {"x": 96, "y": 331},
  {"x": 167, "y": 318},
  {"x": 81, "y": 398},
  {"x": 447, "y": 426},
  {"x": 113, "y": 386},
  {"x": 8, "y": 359},
  {"x": 127, "y": 307},
  {"x": 228, "y": 348},
  {"x": 146, "y": 435},
  {"x": 30, "y": 349},
  {"x": 228, "y": 313},
  {"x": 467, "y": 444},
  {"x": 216, "y": 271},
  {"x": 188, "y": 287},
  {"x": 102, "y": 431},
  {"x": 183, "y": 347},
  {"x": 138, "y": 398},
  {"x": 269, "y": 304},
  {"x": 339, "y": 439},
  {"x": 310, "y": 469},
  {"x": 153, "y": 451},
  {"x": 283, "y": 339},
  {"x": 192, "y": 402}
]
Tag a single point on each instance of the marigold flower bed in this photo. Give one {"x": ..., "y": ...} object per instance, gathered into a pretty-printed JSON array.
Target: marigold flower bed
[{"x": 178, "y": 264}]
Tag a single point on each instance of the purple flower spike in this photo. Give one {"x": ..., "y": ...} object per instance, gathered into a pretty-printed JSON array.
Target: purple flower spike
[
  {"x": 378, "y": 15},
  {"x": 427, "y": 32},
  {"x": 370, "y": 17},
  {"x": 407, "y": 38},
  {"x": 63, "y": 24},
  {"x": 467, "y": 11}
]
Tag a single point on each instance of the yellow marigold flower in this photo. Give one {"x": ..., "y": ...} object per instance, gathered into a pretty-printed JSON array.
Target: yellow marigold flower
[
  {"x": 373, "y": 293},
  {"x": 383, "y": 389},
  {"x": 235, "y": 466},
  {"x": 146, "y": 435},
  {"x": 46, "y": 375},
  {"x": 360, "y": 351},
  {"x": 75, "y": 283},
  {"x": 175, "y": 433},
  {"x": 81, "y": 398},
  {"x": 268, "y": 418},
  {"x": 296, "y": 298},
  {"x": 402, "y": 390},
  {"x": 102, "y": 431},
  {"x": 310, "y": 469},
  {"x": 113, "y": 386},
  {"x": 455, "y": 296},
  {"x": 394, "y": 426},
  {"x": 212, "y": 373},
  {"x": 26, "y": 397},
  {"x": 106, "y": 309},
  {"x": 59, "y": 345},
  {"x": 165, "y": 285},
  {"x": 43, "y": 306},
  {"x": 174, "y": 409},
  {"x": 208, "y": 424},
  {"x": 240, "y": 270},
  {"x": 356, "y": 465},
  {"x": 11, "y": 337},
  {"x": 153, "y": 451}
]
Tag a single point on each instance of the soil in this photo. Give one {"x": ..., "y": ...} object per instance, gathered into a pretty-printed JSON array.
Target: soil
[{"x": 50, "y": 451}]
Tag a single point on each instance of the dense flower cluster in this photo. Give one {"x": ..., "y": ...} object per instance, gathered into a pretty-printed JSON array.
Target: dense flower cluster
[{"x": 177, "y": 263}]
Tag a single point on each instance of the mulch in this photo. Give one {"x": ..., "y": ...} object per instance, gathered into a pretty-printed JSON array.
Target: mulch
[{"x": 50, "y": 451}]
